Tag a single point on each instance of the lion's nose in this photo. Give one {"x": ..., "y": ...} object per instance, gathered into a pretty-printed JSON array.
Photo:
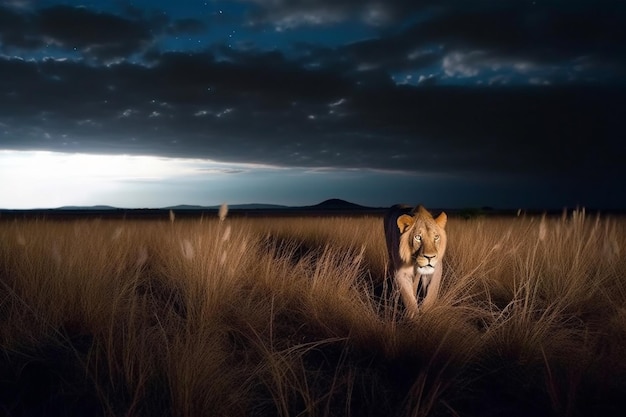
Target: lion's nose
[{"x": 429, "y": 257}]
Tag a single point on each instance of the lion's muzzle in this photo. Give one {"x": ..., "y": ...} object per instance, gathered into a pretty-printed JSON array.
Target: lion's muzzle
[
  {"x": 426, "y": 270},
  {"x": 425, "y": 264}
]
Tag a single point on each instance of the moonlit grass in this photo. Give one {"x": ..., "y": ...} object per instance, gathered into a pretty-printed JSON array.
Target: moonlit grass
[
  {"x": 226, "y": 234},
  {"x": 543, "y": 228},
  {"x": 187, "y": 249},
  {"x": 142, "y": 257}
]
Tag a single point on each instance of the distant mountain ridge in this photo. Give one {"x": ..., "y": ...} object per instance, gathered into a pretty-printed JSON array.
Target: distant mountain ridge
[
  {"x": 333, "y": 204},
  {"x": 330, "y": 204},
  {"x": 336, "y": 204}
]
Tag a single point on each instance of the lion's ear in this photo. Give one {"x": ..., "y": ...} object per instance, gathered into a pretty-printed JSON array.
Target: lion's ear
[
  {"x": 442, "y": 219},
  {"x": 404, "y": 222}
]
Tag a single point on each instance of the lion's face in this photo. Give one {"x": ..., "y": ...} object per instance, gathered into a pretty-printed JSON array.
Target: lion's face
[{"x": 422, "y": 239}]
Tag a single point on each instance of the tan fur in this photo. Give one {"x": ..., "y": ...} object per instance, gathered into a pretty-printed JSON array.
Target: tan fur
[{"x": 416, "y": 261}]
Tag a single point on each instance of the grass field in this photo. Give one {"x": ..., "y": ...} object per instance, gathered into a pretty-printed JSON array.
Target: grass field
[{"x": 293, "y": 317}]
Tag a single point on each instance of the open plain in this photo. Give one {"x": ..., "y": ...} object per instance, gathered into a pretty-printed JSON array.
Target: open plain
[{"x": 295, "y": 316}]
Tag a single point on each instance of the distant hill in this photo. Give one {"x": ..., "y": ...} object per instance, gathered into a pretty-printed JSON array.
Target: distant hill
[
  {"x": 184, "y": 207},
  {"x": 336, "y": 204},
  {"x": 86, "y": 208}
]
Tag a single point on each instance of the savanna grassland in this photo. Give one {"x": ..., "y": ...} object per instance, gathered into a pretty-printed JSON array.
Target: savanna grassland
[{"x": 292, "y": 317}]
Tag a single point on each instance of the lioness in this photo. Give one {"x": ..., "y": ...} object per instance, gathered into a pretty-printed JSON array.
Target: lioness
[{"x": 416, "y": 243}]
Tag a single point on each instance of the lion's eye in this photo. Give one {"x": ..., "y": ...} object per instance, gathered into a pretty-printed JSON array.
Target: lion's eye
[
  {"x": 418, "y": 238},
  {"x": 436, "y": 237}
]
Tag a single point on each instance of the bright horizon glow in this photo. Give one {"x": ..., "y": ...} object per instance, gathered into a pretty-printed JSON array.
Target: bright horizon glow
[
  {"x": 43, "y": 179},
  {"x": 46, "y": 180}
]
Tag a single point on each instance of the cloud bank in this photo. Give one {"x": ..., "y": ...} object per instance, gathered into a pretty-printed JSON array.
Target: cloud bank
[{"x": 517, "y": 88}]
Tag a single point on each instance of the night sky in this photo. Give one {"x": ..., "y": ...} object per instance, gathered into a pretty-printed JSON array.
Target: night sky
[{"x": 449, "y": 103}]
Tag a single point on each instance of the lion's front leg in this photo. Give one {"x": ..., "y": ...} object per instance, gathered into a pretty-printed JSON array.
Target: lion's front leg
[
  {"x": 404, "y": 280},
  {"x": 432, "y": 287}
]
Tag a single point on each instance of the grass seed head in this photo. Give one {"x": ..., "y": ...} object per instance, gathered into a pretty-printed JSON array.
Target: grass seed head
[{"x": 223, "y": 211}]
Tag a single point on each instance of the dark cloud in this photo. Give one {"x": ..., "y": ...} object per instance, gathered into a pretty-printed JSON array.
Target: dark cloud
[
  {"x": 87, "y": 33},
  {"x": 242, "y": 110},
  {"x": 18, "y": 30},
  {"x": 392, "y": 12},
  {"x": 524, "y": 35},
  {"x": 191, "y": 26},
  {"x": 100, "y": 35},
  {"x": 540, "y": 33},
  {"x": 288, "y": 14}
]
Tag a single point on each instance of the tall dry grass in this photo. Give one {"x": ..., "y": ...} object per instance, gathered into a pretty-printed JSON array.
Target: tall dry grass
[{"x": 293, "y": 316}]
